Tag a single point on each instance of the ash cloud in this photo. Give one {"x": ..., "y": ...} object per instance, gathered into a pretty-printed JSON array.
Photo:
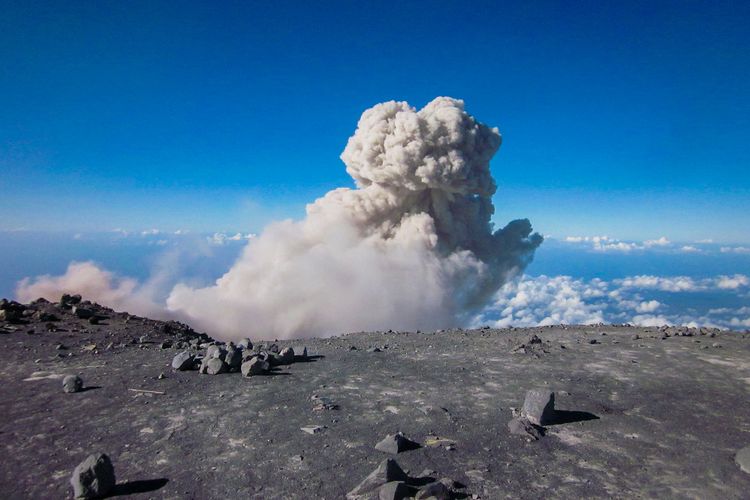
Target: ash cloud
[{"x": 412, "y": 246}]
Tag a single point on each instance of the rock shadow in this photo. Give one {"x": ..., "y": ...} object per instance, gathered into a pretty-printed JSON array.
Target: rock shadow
[
  {"x": 90, "y": 388},
  {"x": 308, "y": 359},
  {"x": 568, "y": 417},
  {"x": 134, "y": 487}
]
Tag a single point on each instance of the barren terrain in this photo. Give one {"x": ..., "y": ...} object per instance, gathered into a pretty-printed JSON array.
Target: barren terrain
[{"x": 646, "y": 412}]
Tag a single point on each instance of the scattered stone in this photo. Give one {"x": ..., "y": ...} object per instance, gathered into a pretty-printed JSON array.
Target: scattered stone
[
  {"x": 313, "y": 429},
  {"x": 245, "y": 344},
  {"x": 255, "y": 366},
  {"x": 593, "y": 341},
  {"x": 94, "y": 477},
  {"x": 166, "y": 344},
  {"x": 396, "y": 443},
  {"x": 215, "y": 366},
  {"x": 72, "y": 383},
  {"x": 386, "y": 472},
  {"x": 743, "y": 459},
  {"x": 395, "y": 490},
  {"x": 374, "y": 349},
  {"x": 522, "y": 427},
  {"x": 183, "y": 361},
  {"x": 539, "y": 406},
  {"x": 715, "y": 344}
]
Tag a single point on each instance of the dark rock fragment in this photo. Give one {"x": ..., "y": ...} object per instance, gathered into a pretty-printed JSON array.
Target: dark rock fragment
[
  {"x": 539, "y": 406},
  {"x": 72, "y": 383},
  {"x": 386, "y": 472},
  {"x": 395, "y": 490},
  {"x": 522, "y": 427},
  {"x": 94, "y": 477},
  {"x": 396, "y": 443}
]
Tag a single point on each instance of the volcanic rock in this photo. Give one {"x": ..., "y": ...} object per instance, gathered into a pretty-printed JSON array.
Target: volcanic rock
[
  {"x": 215, "y": 366},
  {"x": 522, "y": 427},
  {"x": 255, "y": 366},
  {"x": 539, "y": 406},
  {"x": 395, "y": 490},
  {"x": 743, "y": 459},
  {"x": 72, "y": 383},
  {"x": 183, "y": 361},
  {"x": 82, "y": 312},
  {"x": 286, "y": 356},
  {"x": 387, "y": 471},
  {"x": 437, "y": 490},
  {"x": 396, "y": 443},
  {"x": 217, "y": 352},
  {"x": 94, "y": 477}
]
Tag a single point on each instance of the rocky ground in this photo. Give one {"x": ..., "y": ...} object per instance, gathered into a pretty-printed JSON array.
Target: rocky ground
[{"x": 640, "y": 413}]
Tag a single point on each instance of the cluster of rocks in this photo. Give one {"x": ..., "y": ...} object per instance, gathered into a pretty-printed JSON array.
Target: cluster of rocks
[
  {"x": 213, "y": 358},
  {"x": 389, "y": 481}
]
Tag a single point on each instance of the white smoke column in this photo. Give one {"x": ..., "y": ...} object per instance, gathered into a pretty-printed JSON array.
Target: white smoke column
[{"x": 411, "y": 247}]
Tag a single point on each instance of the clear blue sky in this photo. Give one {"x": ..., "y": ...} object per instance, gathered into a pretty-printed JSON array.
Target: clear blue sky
[{"x": 622, "y": 118}]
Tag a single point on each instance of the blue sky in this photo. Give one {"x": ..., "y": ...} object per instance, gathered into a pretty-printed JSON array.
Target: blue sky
[
  {"x": 624, "y": 127},
  {"x": 628, "y": 119}
]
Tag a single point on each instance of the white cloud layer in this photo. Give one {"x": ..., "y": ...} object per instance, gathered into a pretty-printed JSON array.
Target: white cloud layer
[{"x": 544, "y": 300}]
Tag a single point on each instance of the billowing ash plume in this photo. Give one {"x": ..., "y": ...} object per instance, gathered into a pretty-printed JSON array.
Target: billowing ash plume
[{"x": 411, "y": 247}]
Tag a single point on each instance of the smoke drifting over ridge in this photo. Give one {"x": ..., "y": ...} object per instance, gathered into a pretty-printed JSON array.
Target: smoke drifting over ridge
[{"x": 411, "y": 247}]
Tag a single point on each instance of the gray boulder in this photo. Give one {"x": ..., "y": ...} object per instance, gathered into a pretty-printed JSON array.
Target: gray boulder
[
  {"x": 183, "y": 361},
  {"x": 215, "y": 366},
  {"x": 233, "y": 358},
  {"x": 743, "y": 459},
  {"x": 72, "y": 383},
  {"x": 245, "y": 344},
  {"x": 94, "y": 477},
  {"x": 215, "y": 351},
  {"x": 539, "y": 407},
  {"x": 255, "y": 366},
  {"x": 386, "y": 472}
]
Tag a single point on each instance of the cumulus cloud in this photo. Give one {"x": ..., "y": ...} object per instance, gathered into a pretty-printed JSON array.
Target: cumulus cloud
[
  {"x": 543, "y": 300},
  {"x": 411, "y": 247},
  {"x": 690, "y": 249},
  {"x": 664, "y": 283},
  {"x": 648, "y": 306},
  {"x": 740, "y": 250},
  {"x": 661, "y": 242},
  {"x": 224, "y": 238}
]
